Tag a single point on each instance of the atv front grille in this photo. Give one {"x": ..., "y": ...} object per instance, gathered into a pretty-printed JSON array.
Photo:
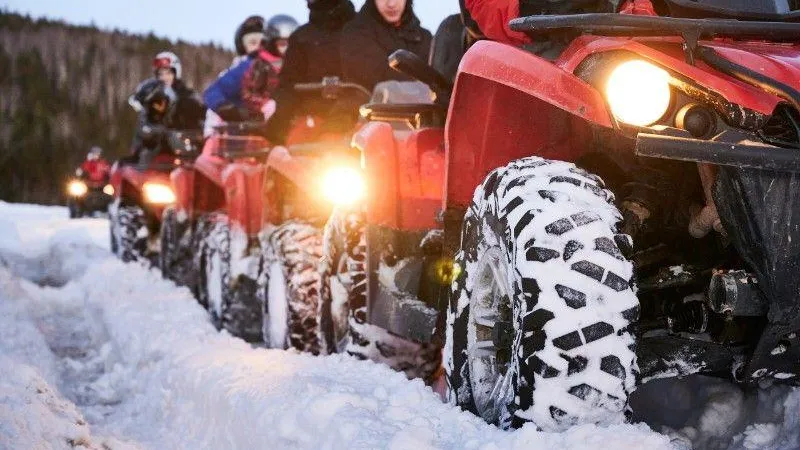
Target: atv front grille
[{"x": 783, "y": 128}]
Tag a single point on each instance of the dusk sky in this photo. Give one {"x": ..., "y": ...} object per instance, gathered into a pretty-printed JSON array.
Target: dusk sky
[{"x": 194, "y": 21}]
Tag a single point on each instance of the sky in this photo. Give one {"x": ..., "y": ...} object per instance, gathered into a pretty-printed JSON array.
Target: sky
[{"x": 198, "y": 21}]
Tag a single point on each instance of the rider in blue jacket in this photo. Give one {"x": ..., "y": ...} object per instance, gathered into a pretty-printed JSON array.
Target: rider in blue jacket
[{"x": 246, "y": 88}]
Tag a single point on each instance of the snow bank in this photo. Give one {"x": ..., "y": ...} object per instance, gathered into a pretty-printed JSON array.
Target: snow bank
[
  {"x": 151, "y": 369},
  {"x": 222, "y": 393}
]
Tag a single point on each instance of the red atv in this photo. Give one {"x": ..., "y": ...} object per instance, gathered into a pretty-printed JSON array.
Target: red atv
[
  {"x": 554, "y": 291},
  {"x": 87, "y": 197},
  {"x": 245, "y": 227},
  {"x": 142, "y": 189}
]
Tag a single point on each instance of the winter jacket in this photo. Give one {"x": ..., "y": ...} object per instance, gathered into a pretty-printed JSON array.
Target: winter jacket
[
  {"x": 489, "y": 18},
  {"x": 94, "y": 171},
  {"x": 368, "y": 41},
  {"x": 189, "y": 111},
  {"x": 448, "y": 46},
  {"x": 245, "y": 88},
  {"x": 313, "y": 54},
  {"x": 186, "y": 112}
]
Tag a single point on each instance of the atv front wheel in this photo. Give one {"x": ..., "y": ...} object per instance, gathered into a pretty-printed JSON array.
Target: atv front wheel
[
  {"x": 343, "y": 305},
  {"x": 231, "y": 301},
  {"x": 175, "y": 257},
  {"x": 129, "y": 233},
  {"x": 290, "y": 293},
  {"x": 539, "y": 323}
]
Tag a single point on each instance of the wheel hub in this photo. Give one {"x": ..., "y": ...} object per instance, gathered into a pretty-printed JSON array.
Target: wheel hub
[{"x": 490, "y": 337}]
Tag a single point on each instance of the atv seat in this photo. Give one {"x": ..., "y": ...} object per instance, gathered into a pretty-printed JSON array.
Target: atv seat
[{"x": 416, "y": 115}]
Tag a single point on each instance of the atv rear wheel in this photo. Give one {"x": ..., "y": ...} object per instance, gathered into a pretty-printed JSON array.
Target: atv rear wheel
[
  {"x": 539, "y": 323},
  {"x": 231, "y": 301},
  {"x": 129, "y": 233},
  {"x": 290, "y": 292},
  {"x": 343, "y": 308},
  {"x": 175, "y": 258}
]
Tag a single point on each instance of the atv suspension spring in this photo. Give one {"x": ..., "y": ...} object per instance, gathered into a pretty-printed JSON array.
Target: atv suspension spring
[{"x": 688, "y": 317}]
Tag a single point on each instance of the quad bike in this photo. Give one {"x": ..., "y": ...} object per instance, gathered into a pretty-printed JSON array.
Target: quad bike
[
  {"x": 88, "y": 198},
  {"x": 142, "y": 190},
  {"x": 244, "y": 224},
  {"x": 621, "y": 212}
]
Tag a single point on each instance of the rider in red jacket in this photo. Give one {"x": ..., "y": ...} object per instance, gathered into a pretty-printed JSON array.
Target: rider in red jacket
[
  {"x": 488, "y": 19},
  {"x": 95, "y": 170}
]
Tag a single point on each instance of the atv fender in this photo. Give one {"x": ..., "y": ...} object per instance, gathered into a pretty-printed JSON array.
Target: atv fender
[
  {"x": 508, "y": 104},
  {"x": 405, "y": 175},
  {"x": 243, "y": 184}
]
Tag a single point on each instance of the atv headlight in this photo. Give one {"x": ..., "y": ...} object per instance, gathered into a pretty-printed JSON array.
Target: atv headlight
[
  {"x": 344, "y": 185},
  {"x": 77, "y": 188},
  {"x": 108, "y": 190},
  {"x": 638, "y": 93},
  {"x": 158, "y": 194}
]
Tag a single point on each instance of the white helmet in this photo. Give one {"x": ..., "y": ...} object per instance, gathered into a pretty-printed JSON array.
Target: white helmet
[{"x": 168, "y": 60}]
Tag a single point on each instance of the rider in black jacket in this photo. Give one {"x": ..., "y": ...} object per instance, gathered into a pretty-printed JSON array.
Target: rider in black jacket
[
  {"x": 375, "y": 34},
  {"x": 313, "y": 54}
]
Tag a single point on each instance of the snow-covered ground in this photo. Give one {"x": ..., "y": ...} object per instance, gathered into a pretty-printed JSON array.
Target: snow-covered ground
[{"x": 97, "y": 354}]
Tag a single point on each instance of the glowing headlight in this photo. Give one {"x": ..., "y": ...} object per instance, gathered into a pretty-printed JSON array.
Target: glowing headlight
[
  {"x": 77, "y": 188},
  {"x": 638, "y": 92},
  {"x": 108, "y": 190},
  {"x": 344, "y": 185},
  {"x": 158, "y": 194}
]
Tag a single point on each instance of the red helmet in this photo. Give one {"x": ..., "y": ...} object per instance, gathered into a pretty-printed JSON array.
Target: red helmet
[{"x": 168, "y": 60}]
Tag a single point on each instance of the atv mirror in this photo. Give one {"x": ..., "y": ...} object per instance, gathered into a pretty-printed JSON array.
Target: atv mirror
[{"x": 412, "y": 65}]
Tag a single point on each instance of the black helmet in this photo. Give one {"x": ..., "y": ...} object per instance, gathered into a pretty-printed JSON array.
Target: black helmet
[
  {"x": 151, "y": 91},
  {"x": 253, "y": 24},
  {"x": 278, "y": 27}
]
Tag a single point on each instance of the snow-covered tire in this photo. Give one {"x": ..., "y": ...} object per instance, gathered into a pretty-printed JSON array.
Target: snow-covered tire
[
  {"x": 129, "y": 233},
  {"x": 343, "y": 305},
  {"x": 292, "y": 255},
  {"x": 539, "y": 248},
  {"x": 175, "y": 258},
  {"x": 232, "y": 303},
  {"x": 343, "y": 280}
]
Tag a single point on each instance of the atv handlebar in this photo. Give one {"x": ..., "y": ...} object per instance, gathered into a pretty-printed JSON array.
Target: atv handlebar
[
  {"x": 330, "y": 87},
  {"x": 250, "y": 127},
  {"x": 410, "y": 64}
]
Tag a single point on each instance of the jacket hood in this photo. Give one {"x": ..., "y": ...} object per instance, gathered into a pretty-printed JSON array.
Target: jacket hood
[{"x": 331, "y": 14}]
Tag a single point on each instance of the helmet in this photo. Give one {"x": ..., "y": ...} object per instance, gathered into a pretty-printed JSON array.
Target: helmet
[
  {"x": 253, "y": 24},
  {"x": 151, "y": 91},
  {"x": 168, "y": 60},
  {"x": 94, "y": 153},
  {"x": 280, "y": 27}
]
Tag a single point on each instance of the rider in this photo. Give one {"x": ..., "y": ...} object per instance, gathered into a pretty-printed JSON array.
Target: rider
[
  {"x": 164, "y": 102},
  {"x": 313, "y": 54},
  {"x": 247, "y": 89},
  {"x": 381, "y": 27},
  {"x": 94, "y": 169},
  {"x": 188, "y": 111},
  {"x": 153, "y": 101}
]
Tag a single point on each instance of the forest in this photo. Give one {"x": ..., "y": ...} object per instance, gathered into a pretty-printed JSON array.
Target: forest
[{"x": 64, "y": 88}]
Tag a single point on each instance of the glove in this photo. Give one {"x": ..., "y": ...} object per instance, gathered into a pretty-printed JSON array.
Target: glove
[{"x": 268, "y": 110}]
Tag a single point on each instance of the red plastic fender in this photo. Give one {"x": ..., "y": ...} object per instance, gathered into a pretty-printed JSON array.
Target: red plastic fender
[
  {"x": 209, "y": 164},
  {"x": 376, "y": 142},
  {"x": 183, "y": 185},
  {"x": 508, "y": 104},
  {"x": 243, "y": 184}
]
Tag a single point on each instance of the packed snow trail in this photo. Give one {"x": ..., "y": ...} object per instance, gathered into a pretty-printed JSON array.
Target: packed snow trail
[{"x": 98, "y": 354}]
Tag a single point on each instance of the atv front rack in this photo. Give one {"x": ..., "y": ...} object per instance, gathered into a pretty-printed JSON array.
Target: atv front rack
[
  {"x": 738, "y": 149},
  {"x": 612, "y": 24}
]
